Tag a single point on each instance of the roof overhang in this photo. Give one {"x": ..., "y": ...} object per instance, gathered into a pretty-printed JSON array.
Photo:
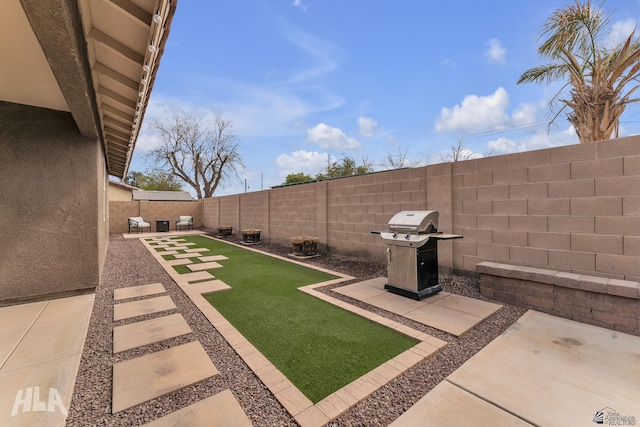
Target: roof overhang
[{"x": 96, "y": 59}]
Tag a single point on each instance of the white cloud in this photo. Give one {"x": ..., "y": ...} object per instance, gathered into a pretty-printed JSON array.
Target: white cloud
[
  {"x": 367, "y": 126},
  {"x": 496, "y": 52},
  {"x": 534, "y": 142},
  {"x": 525, "y": 114},
  {"x": 620, "y": 30},
  {"x": 476, "y": 113},
  {"x": 302, "y": 161},
  {"x": 329, "y": 137},
  {"x": 299, "y": 5}
]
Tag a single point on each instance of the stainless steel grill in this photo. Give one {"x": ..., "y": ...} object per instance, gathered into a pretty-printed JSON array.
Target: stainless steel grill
[{"x": 412, "y": 253}]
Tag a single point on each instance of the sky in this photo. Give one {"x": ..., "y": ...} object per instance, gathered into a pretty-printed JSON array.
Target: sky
[{"x": 305, "y": 82}]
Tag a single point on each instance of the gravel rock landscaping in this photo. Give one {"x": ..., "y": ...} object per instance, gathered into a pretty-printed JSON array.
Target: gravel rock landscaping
[{"x": 129, "y": 263}]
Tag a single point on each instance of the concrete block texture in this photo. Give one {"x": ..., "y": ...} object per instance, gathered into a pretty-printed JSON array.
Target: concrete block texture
[{"x": 574, "y": 208}]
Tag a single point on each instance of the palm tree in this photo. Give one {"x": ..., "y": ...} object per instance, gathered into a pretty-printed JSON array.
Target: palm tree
[{"x": 601, "y": 79}]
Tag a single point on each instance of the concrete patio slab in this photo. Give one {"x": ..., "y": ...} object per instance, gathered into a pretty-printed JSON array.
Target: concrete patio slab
[
  {"x": 470, "y": 306},
  {"x": 138, "y": 291},
  {"x": 203, "y": 266},
  {"x": 395, "y": 303},
  {"x": 38, "y": 395},
  {"x": 41, "y": 359},
  {"x": 137, "y": 334},
  {"x": 147, "y": 377},
  {"x": 359, "y": 292},
  {"x": 58, "y": 332},
  {"x": 220, "y": 410},
  {"x": 142, "y": 307},
  {"x": 547, "y": 371},
  {"x": 448, "y": 405},
  {"x": 455, "y": 314},
  {"x": 451, "y": 321},
  {"x": 15, "y": 321},
  {"x": 207, "y": 287},
  {"x": 212, "y": 258}
]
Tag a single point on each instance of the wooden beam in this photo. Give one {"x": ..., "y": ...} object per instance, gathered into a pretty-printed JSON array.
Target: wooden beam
[
  {"x": 117, "y": 97},
  {"x": 117, "y": 113},
  {"x": 120, "y": 78},
  {"x": 134, "y": 10},
  {"x": 114, "y": 44}
]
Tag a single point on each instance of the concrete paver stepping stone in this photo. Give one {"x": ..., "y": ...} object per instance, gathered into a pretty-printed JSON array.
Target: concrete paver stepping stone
[
  {"x": 207, "y": 287},
  {"x": 204, "y": 266},
  {"x": 187, "y": 255},
  {"x": 212, "y": 258},
  {"x": 137, "y": 334},
  {"x": 142, "y": 307},
  {"x": 171, "y": 262},
  {"x": 196, "y": 250},
  {"x": 193, "y": 277},
  {"x": 553, "y": 371},
  {"x": 448, "y": 405},
  {"x": 219, "y": 410},
  {"x": 138, "y": 291},
  {"x": 147, "y": 377}
]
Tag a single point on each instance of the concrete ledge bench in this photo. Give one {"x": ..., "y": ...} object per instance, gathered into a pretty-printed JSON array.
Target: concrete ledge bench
[{"x": 609, "y": 303}]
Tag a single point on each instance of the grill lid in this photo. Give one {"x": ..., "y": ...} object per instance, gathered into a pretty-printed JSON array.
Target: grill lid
[{"x": 415, "y": 222}]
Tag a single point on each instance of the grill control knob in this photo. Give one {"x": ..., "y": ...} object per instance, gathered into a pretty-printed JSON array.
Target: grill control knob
[
  {"x": 407, "y": 236},
  {"x": 395, "y": 235}
]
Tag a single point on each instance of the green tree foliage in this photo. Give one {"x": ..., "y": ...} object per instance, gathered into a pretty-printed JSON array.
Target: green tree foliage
[
  {"x": 345, "y": 167},
  {"x": 600, "y": 79},
  {"x": 153, "y": 181},
  {"x": 294, "y": 178}
]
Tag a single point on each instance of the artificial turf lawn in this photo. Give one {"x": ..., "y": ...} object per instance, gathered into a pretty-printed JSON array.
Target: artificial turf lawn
[{"x": 318, "y": 346}]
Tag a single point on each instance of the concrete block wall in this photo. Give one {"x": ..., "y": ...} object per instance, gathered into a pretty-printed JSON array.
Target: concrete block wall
[
  {"x": 570, "y": 208},
  {"x": 252, "y": 211},
  {"x": 119, "y": 212},
  {"x": 292, "y": 212},
  {"x": 608, "y": 303},
  {"x": 359, "y": 205}
]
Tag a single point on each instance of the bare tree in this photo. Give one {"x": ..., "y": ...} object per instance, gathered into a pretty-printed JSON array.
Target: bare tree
[
  {"x": 200, "y": 154},
  {"x": 458, "y": 153},
  {"x": 399, "y": 160}
]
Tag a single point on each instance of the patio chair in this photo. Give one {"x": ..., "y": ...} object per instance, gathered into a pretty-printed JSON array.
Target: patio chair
[
  {"x": 138, "y": 223},
  {"x": 184, "y": 221}
]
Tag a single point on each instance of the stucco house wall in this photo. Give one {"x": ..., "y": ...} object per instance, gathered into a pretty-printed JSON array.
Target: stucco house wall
[
  {"x": 120, "y": 192},
  {"x": 53, "y": 218}
]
